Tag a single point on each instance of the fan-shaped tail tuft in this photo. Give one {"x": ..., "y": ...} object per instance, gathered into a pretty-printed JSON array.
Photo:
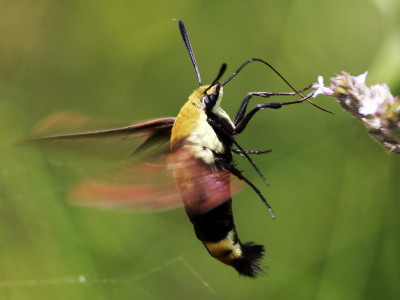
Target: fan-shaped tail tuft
[{"x": 248, "y": 264}]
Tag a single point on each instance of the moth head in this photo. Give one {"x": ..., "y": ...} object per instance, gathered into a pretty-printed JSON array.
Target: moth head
[{"x": 212, "y": 96}]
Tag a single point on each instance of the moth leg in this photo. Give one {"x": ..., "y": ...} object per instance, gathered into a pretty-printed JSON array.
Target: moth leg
[
  {"x": 234, "y": 171},
  {"x": 242, "y": 109},
  {"x": 240, "y": 152},
  {"x": 241, "y": 122}
]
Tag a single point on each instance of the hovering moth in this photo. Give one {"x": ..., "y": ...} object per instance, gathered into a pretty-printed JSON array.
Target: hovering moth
[{"x": 197, "y": 149}]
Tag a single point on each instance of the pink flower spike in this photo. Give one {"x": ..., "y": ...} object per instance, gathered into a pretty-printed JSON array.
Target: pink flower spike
[
  {"x": 361, "y": 78},
  {"x": 373, "y": 105},
  {"x": 320, "y": 88}
]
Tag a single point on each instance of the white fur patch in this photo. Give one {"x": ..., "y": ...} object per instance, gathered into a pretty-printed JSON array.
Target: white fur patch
[{"x": 204, "y": 141}]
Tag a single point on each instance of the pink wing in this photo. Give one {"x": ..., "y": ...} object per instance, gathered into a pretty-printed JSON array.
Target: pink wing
[
  {"x": 202, "y": 186},
  {"x": 149, "y": 184},
  {"x": 174, "y": 179},
  {"x": 139, "y": 187}
]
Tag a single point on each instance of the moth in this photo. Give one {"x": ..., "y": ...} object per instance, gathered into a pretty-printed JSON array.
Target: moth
[{"x": 197, "y": 149}]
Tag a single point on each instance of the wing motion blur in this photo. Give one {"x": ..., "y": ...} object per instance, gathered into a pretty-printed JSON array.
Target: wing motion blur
[
  {"x": 147, "y": 183},
  {"x": 119, "y": 142}
]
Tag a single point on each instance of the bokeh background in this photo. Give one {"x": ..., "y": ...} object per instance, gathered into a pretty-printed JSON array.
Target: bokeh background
[{"x": 335, "y": 191}]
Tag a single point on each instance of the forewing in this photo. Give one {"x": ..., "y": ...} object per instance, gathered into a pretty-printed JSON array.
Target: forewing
[{"x": 146, "y": 138}]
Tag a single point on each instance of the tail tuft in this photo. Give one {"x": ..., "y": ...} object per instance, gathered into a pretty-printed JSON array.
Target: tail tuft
[{"x": 249, "y": 264}]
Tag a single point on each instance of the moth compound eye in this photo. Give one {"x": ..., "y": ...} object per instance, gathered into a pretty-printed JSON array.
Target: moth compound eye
[
  {"x": 210, "y": 100},
  {"x": 206, "y": 101}
]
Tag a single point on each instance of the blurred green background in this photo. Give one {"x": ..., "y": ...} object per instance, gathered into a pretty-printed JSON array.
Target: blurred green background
[{"x": 334, "y": 190}]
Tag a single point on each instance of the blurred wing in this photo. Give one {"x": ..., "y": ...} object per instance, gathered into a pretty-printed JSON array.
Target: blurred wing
[
  {"x": 139, "y": 187},
  {"x": 151, "y": 136},
  {"x": 202, "y": 186},
  {"x": 147, "y": 184},
  {"x": 173, "y": 179}
]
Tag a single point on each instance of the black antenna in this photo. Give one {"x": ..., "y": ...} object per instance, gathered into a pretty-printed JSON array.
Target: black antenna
[
  {"x": 276, "y": 72},
  {"x": 189, "y": 49}
]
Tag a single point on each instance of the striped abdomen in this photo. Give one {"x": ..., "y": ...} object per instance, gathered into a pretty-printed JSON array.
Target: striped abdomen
[
  {"x": 216, "y": 229},
  {"x": 206, "y": 195}
]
